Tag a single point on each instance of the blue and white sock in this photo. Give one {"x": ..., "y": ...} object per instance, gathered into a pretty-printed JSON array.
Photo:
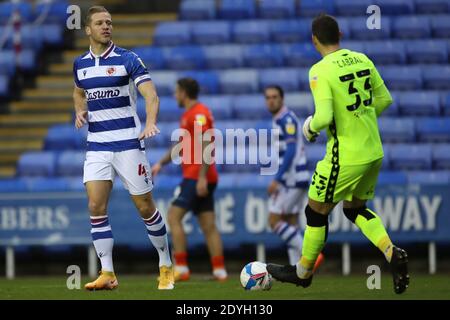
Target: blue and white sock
[
  {"x": 158, "y": 236},
  {"x": 292, "y": 238},
  {"x": 102, "y": 238}
]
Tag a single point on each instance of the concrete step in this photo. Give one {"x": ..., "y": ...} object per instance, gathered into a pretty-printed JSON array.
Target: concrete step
[
  {"x": 70, "y": 55},
  {"x": 9, "y": 159},
  {"x": 7, "y": 171},
  {"x": 20, "y": 145},
  {"x": 55, "y": 106},
  {"x": 38, "y": 120},
  {"x": 47, "y": 94},
  {"x": 55, "y": 82},
  {"x": 23, "y": 133},
  {"x": 61, "y": 69}
]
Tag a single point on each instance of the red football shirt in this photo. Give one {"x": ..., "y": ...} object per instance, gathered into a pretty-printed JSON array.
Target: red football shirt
[{"x": 196, "y": 121}]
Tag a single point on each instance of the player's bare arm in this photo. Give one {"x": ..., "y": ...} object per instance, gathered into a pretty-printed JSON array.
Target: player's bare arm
[
  {"x": 79, "y": 100},
  {"x": 156, "y": 168},
  {"x": 148, "y": 91},
  {"x": 202, "y": 182}
]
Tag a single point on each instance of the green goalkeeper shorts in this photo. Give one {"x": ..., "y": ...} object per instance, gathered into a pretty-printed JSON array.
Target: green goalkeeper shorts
[{"x": 333, "y": 183}]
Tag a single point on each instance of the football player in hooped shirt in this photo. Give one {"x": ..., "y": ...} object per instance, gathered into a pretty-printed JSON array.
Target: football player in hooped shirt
[
  {"x": 106, "y": 78},
  {"x": 196, "y": 192}
]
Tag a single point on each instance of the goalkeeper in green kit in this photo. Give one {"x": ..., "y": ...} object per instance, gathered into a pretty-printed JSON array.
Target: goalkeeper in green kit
[{"x": 349, "y": 95}]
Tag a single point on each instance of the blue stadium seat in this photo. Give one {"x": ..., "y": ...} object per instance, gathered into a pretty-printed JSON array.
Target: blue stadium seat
[
  {"x": 289, "y": 30},
  {"x": 411, "y": 27},
  {"x": 44, "y": 184},
  {"x": 427, "y": 51},
  {"x": 395, "y": 7},
  {"x": 37, "y": 164},
  {"x": 354, "y": 45},
  {"x": 392, "y": 110},
  {"x": 237, "y": 9},
  {"x": 184, "y": 57},
  {"x": 208, "y": 80},
  {"x": 312, "y": 8},
  {"x": 429, "y": 177},
  {"x": 314, "y": 153},
  {"x": 53, "y": 11},
  {"x": 263, "y": 55},
  {"x": 441, "y": 156},
  {"x": 303, "y": 78},
  {"x": 402, "y": 77},
  {"x": 197, "y": 10},
  {"x": 165, "y": 82},
  {"x": 169, "y": 109},
  {"x": 441, "y": 26},
  {"x": 277, "y": 9},
  {"x": 7, "y": 9},
  {"x": 53, "y": 34},
  {"x": 436, "y": 77},
  {"x": 250, "y": 107},
  {"x": 214, "y": 32},
  {"x": 446, "y": 103},
  {"x": 301, "y": 103},
  {"x": 220, "y": 106},
  {"x": 70, "y": 163},
  {"x": 396, "y": 129},
  {"x": 7, "y": 62},
  {"x": 386, "y": 52},
  {"x": 288, "y": 79},
  {"x": 351, "y": 7},
  {"x": 359, "y": 30},
  {"x": 61, "y": 137},
  {"x": 344, "y": 26},
  {"x": 410, "y": 156},
  {"x": 433, "y": 129},
  {"x": 172, "y": 34},
  {"x": 432, "y": 6},
  {"x": 252, "y": 180},
  {"x": 227, "y": 181},
  {"x": 167, "y": 182},
  {"x": 386, "y": 164},
  {"x": 4, "y": 86},
  {"x": 75, "y": 183},
  {"x": 223, "y": 56},
  {"x": 300, "y": 55},
  {"x": 152, "y": 57},
  {"x": 239, "y": 81},
  {"x": 392, "y": 177},
  {"x": 251, "y": 31},
  {"x": 27, "y": 60},
  {"x": 420, "y": 103},
  {"x": 13, "y": 185}
]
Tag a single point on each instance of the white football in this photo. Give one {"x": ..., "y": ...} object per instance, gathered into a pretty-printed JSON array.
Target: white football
[{"x": 254, "y": 276}]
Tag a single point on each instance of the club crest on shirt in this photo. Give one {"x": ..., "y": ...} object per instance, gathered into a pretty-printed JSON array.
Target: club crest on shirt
[{"x": 110, "y": 71}]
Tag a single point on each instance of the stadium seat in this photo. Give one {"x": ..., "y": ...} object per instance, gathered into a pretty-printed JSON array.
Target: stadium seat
[
  {"x": 300, "y": 55},
  {"x": 250, "y": 107},
  {"x": 239, "y": 81},
  {"x": 314, "y": 153},
  {"x": 286, "y": 78},
  {"x": 197, "y": 10},
  {"x": 263, "y": 55},
  {"x": 411, "y": 27},
  {"x": 441, "y": 26},
  {"x": 61, "y": 137},
  {"x": 165, "y": 82},
  {"x": 53, "y": 34},
  {"x": 392, "y": 110},
  {"x": 436, "y": 77},
  {"x": 4, "y": 86},
  {"x": 410, "y": 156},
  {"x": 27, "y": 60},
  {"x": 392, "y": 177},
  {"x": 433, "y": 129},
  {"x": 277, "y": 9},
  {"x": 184, "y": 57},
  {"x": 7, "y": 59},
  {"x": 70, "y": 163},
  {"x": 386, "y": 52},
  {"x": 44, "y": 184},
  {"x": 169, "y": 109},
  {"x": 359, "y": 30},
  {"x": 252, "y": 180},
  {"x": 301, "y": 103},
  {"x": 208, "y": 80},
  {"x": 426, "y": 51},
  {"x": 402, "y": 77},
  {"x": 223, "y": 56},
  {"x": 215, "y": 32},
  {"x": 446, "y": 103},
  {"x": 7, "y": 9},
  {"x": 168, "y": 182},
  {"x": 344, "y": 26},
  {"x": 351, "y": 7},
  {"x": 290, "y": 31},
  {"x": 312, "y": 8},
  {"x": 37, "y": 164},
  {"x": 237, "y": 9},
  {"x": 152, "y": 57},
  {"x": 303, "y": 78},
  {"x": 432, "y": 6},
  {"x": 251, "y": 31},
  {"x": 397, "y": 129},
  {"x": 220, "y": 106},
  {"x": 53, "y": 11},
  {"x": 354, "y": 45},
  {"x": 75, "y": 183},
  {"x": 429, "y": 177},
  {"x": 13, "y": 185},
  {"x": 172, "y": 34},
  {"x": 419, "y": 103},
  {"x": 386, "y": 164},
  {"x": 441, "y": 156},
  {"x": 395, "y": 7}
]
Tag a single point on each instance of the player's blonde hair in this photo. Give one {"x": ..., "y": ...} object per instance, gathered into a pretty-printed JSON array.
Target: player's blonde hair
[{"x": 93, "y": 10}]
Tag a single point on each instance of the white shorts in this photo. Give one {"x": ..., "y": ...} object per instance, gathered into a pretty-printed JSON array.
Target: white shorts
[
  {"x": 131, "y": 166},
  {"x": 287, "y": 200}
]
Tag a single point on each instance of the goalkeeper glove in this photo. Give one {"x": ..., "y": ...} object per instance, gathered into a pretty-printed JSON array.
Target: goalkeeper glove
[{"x": 307, "y": 132}]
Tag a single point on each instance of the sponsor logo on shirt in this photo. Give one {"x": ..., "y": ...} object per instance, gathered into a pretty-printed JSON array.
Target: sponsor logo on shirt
[{"x": 102, "y": 94}]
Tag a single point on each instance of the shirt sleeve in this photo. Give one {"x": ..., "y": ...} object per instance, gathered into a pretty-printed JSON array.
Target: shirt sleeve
[
  {"x": 289, "y": 129},
  {"x": 323, "y": 100},
  {"x": 75, "y": 74},
  {"x": 137, "y": 69}
]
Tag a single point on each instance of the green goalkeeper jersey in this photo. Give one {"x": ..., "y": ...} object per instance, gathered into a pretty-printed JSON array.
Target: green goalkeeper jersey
[{"x": 342, "y": 84}]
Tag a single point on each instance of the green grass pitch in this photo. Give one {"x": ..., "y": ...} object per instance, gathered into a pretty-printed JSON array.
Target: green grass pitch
[{"x": 141, "y": 287}]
